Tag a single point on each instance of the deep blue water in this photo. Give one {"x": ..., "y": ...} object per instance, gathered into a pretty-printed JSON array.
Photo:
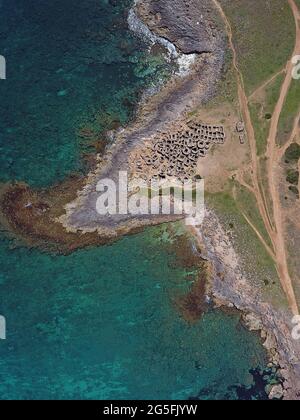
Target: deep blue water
[{"x": 100, "y": 323}]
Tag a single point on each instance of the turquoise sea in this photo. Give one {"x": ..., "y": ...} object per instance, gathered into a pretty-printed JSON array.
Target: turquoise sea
[{"x": 100, "y": 323}]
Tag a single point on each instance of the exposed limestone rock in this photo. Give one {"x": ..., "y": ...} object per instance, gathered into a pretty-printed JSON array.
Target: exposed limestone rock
[
  {"x": 233, "y": 288},
  {"x": 172, "y": 103},
  {"x": 175, "y": 153},
  {"x": 252, "y": 322},
  {"x": 276, "y": 392},
  {"x": 190, "y": 25}
]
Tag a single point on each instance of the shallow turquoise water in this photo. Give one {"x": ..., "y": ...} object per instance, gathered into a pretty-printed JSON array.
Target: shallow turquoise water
[
  {"x": 70, "y": 64},
  {"x": 100, "y": 323}
]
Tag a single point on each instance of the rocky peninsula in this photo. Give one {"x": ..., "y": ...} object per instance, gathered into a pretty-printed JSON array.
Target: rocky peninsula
[{"x": 193, "y": 33}]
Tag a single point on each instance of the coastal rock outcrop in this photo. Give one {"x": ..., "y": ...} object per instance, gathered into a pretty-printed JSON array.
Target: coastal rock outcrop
[
  {"x": 194, "y": 27},
  {"x": 230, "y": 286},
  {"x": 188, "y": 24},
  {"x": 175, "y": 153},
  {"x": 276, "y": 392}
]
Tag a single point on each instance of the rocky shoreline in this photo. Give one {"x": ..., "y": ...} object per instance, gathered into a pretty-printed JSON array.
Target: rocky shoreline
[
  {"x": 188, "y": 29},
  {"x": 64, "y": 217},
  {"x": 229, "y": 286},
  {"x": 161, "y": 112}
]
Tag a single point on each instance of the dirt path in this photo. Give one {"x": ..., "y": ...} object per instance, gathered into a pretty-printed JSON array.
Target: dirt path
[
  {"x": 243, "y": 100},
  {"x": 265, "y": 84},
  {"x": 273, "y": 164},
  {"x": 291, "y": 139},
  {"x": 276, "y": 230},
  {"x": 269, "y": 250}
]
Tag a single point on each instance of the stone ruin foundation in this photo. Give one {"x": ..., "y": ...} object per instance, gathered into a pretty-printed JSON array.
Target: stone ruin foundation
[{"x": 175, "y": 153}]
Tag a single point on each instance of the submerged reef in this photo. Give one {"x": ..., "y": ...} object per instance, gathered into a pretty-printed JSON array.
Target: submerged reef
[
  {"x": 64, "y": 218},
  {"x": 160, "y": 113},
  {"x": 66, "y": 215}
]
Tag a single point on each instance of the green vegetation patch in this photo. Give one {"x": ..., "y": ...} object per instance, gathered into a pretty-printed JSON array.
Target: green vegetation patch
[
  {"x": 294, "y": 190},
  {"x": 297, "y": 3},
  {"x": 262, "y": 111},
  {"x": 292, "y": 153},
  {"x": 247, "y": 203},
  {"x": 254, "y": 257},
  {"x": 264, "y": 36},
  {"x": 292, "y": 177},
  {"x": 289, "y": 112}
]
